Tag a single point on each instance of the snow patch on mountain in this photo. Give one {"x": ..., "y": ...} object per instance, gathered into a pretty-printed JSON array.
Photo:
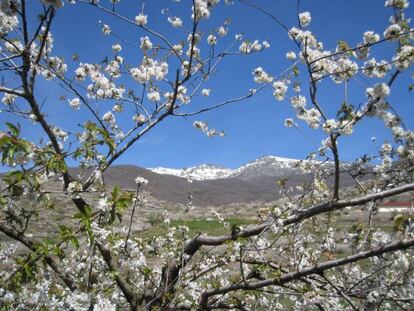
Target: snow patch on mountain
[
  {"x": 167, "y": 171},
  {"x": 201, "y": 172},
  {"x": 267, "y": 166},
  {"x": 264, "y": 166},
  {"x": 266, "y": 161}
]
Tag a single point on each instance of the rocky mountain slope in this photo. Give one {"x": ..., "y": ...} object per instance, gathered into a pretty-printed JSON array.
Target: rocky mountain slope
[
  {"x": 265, "y": 166},
  {"x": 212, "y": 185},
  {"x": 209, "y": 185},
  {"x": 268, "y": 166}
]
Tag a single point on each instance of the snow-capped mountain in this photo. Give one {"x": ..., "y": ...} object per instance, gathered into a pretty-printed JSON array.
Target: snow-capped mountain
[
  {"x": 265, "y": 166},
  {"x": 214, "y": 185},
  {"x": 201, "y": 172}
]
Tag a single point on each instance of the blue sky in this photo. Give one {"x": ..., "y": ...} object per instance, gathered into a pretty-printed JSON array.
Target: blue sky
[{"x": 253, "y": 128}]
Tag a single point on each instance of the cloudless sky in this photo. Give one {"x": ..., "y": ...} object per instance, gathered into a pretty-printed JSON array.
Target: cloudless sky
[{"x": 253, "y": 128}]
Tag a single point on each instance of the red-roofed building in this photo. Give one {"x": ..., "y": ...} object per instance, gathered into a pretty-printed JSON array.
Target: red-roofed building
[
  {"x": 391, "y": 206},
  {"x": 396, "y": 204}
]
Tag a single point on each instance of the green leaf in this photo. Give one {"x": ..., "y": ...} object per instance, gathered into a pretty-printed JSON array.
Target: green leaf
[
  {"x": 14, "y": 176},
  {"x": 399, "y": 221},
  {"x": 295, "y": 71},
  {"x": 14, "y": 130},
  {"x": 56, "y": 164},
  {"x": 342, "y": 45},
  {"x": 4, "y": 139},
  {"x": 115, "y": 193},
  {"x": 282, "y": 182},
  {"x": 111, "y": 145}
]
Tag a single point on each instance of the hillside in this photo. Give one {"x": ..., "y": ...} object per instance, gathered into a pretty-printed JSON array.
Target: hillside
[{"x": 211, "y": 185}]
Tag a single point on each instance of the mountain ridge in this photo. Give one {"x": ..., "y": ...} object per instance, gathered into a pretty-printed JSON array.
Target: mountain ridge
[
  {"x": 254, "y": 182},
  {"x": 279, "y": 167}
]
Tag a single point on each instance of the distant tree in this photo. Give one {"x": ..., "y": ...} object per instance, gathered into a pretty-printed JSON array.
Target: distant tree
[{"x": 291, "y": 260}]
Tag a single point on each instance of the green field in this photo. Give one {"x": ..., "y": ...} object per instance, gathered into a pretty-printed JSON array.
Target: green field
[{"x": 211, "y": 227}]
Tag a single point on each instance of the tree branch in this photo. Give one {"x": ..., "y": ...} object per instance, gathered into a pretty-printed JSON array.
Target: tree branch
[
  {"x": 12, "y": 233},
  {"x": 317, "y": 269}
]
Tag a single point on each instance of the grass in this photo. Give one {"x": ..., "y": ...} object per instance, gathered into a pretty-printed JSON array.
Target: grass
[
  {"x": 214, "y": 227},
  {"x": 197, "y": 226}
]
